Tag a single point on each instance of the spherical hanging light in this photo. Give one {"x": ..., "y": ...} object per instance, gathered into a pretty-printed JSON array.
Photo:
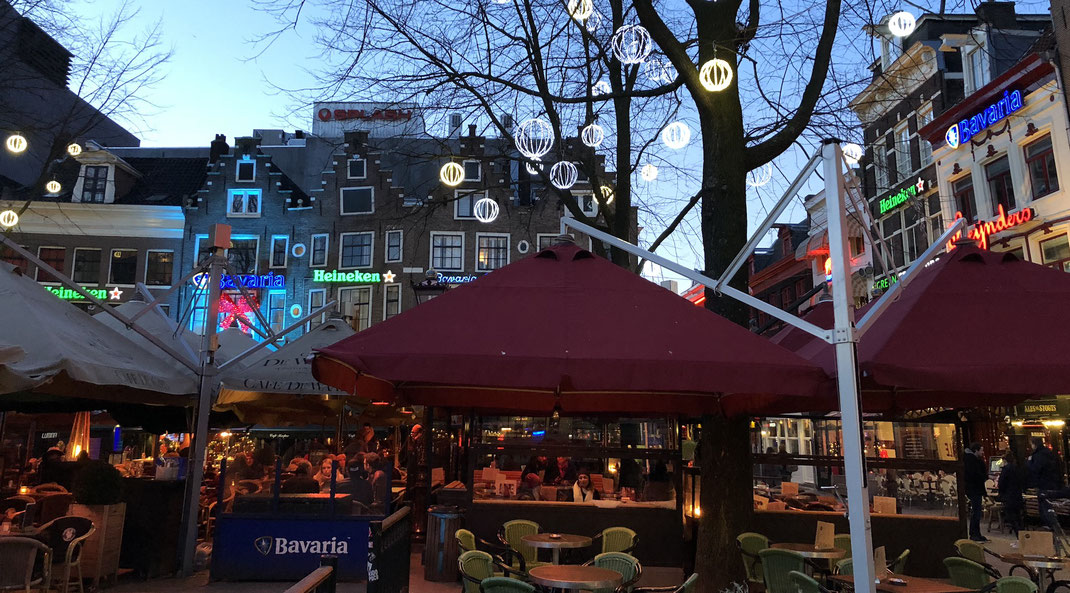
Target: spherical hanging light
[
  {"x": 485, "y": 210},
  {"x": 17, "y": 143},
  {"x": 660, "y": 71},
  {"x": 649, "y": 172},
  {"x": 8, "y": 218},
  {"x": 852, "y": 153},
  {"x": 593, "y": 22},
  {"x": 760, "y": 176},
  {"x": 676, "y": 135},
  {"x": 592, "y": 135},
  {"x": 53, "y": 187},
  {"x": 564, "y": 174},
  {"x": 534, "y": 137},
  {"x": 74, "y": 149},
  {"x": 631, "y": 44},
  {"x": 535, "y": 167},
  {"x": 580, "y": 10},
  {"x": 451, "y": 174},
  {"x": 715, "y": 75},
  {"x": 607, "y": 194},
  {"x": 601, "y": 88},
  {"x": 901, "y": 24}
]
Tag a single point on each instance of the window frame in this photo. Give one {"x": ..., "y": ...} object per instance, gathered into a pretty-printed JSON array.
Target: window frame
[
  {"x": 111, "y": 265},
  {"x": 401, "y": 246},
  {"x": 594, "y": 203},
  {"x": 311, "y": 308},
  {"x": 472, "y": 197},
  {"x": 148, "y": 261},
  {"x": 1007, "y": 179},
  {"x": 245, "y": 192},
  {"x": 285, "y": 251},
  {"x": 238, "y": 167},
  {"x": 103, "y": 190},
  {"x": 349, "y": 165},
  {"x": 880, "y": 165},
  {"x": 1052, "y": 173},
  {"x": 386, "y": 301},
  {"x": 326, "y": 250},
  {"x": 901, "y": 137},
  {"x": 74, "y": 265},
  {"x": 924, "y": 116},
  {"x": 479, "y": 170},
  {"x": 1059, "y": 264},
  {"x": 956, "y": 195},
  {"x": 272, "y": 310},
  {"x": 38, "y": 271},
  {"x": 341, "y": 250},
  {"x": 508, "y": 250},
  {"x": 538, "y": 240},
  {"x": 371, "y": 300},
  {"x": 431, "y": 250},
  {"x": 342, "y": 201}
]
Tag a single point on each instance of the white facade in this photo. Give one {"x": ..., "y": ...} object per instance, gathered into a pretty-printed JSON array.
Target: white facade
[{"x": 815, "y": 248}]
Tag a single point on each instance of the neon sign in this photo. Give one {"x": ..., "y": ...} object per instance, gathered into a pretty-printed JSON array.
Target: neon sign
[
  {"x": 228, "y": 282},
  {"x": 364, "y": 114},
  {"x": 462, "y": 279},
  {"x": 885, "y": 283},
  {"x": 236, "y": 310},
  {"x": 354, "y": 277},
  {"x": 896, "y": 200},
  {"x": 980, "y": 231},
  {"x": 100, "y": 294},
  {"x": 828, "y": 269},
  {"x": 961, "y": 132}
]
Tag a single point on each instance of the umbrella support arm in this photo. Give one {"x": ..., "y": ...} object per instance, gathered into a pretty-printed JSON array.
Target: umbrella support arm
[{"x": 254, "y": 349}]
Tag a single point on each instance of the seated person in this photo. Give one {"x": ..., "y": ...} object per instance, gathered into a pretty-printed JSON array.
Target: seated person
[
  {"x": 561, "y": 473},
  {"x": 583, "y": 490},
  {"x": 302, "y": 481},
  {"x": 377, "y": 477},
  {"x": 532, "y": 474},
  {"x": 323, "y": 477},
  {"x": 659, "y": 484}
]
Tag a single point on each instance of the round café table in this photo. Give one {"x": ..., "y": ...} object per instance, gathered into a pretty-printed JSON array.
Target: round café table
[
  {"x": 571, "y": 577},
  {"x": 1044, "y": 566},
  {"x": 812, "y": 552},
  {"x": 556, "y": 542}
]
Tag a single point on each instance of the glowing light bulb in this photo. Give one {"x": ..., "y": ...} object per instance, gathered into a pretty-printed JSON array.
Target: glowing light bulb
[{"x": 451, "y": 174}]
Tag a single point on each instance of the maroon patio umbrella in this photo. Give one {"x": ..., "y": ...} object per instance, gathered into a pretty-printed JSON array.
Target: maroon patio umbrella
[
  {"x": 973, "y": 328},
  {"x": 566, "y": 330}
]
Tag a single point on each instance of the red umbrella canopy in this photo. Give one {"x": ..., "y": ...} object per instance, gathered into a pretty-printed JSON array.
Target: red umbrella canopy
[
  {"x": 566, "y": 329},
  {"x": 973, "y": 328}
]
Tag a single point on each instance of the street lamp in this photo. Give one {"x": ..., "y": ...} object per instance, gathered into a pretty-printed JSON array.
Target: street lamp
[{"x": 429, "y": 288}]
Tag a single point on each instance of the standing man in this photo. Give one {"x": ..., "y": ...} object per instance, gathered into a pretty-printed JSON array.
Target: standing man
[
  {"x": 976, "y": 474},
  {"x": 1045, "y": 472},
  {"x": 1011, "y": 487}
]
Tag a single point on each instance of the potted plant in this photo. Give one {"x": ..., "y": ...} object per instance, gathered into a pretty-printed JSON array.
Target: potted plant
[{"x": 98, "y": 490}]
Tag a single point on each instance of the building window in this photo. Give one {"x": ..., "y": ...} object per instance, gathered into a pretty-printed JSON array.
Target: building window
[
  {"x": 356, "y": 250},
  {"x": 962, "y": 190},
  {"x": 391, "y": 300},
  {"x": 936, "y": 217},
  {"x": 95, "y": 184},
  {"x": 925, "y": 149},
  {"x": 243, "y": 203},
  {"x": 245, "y": 170},
  {"x": 358, "y": 200},
  {"x": 356, "y": 168},
  {"x": 472, "y": 171},
  {"x": 447, "y": 252},
  {"x": 1056, "y": 252},
  {"x": 356, "y": 306},
  {"x": 464, "y": 204},
  {"x": 277, "y": 310},
  {"x": 903, "y": 166},
  {"x": 892, "y": 229},
  {"x": 916, "y": 230},
  {"x": 492, "y": 252},
  {"x": 976, "y": 70},
  {"x": 545, "y": 241},
  {"x": 880, "y": 166},
  {"x": 280, "y": 246},
  {"x": 53, "y": 256},
  {"x": 394, "y": 241},
  {"x": 123, "y": 268},
  {"x": 10, "y": 256},
  {"x": 319, "y": 250},
  {"x": 857, "y": 246},
  {"x": 1040, "y": 160},
  {"x": 86, "y": 266},
  {"x": 587, "y": 204},
  {"x": 159, "y": 267},
  {"x": 316, "y": 298},
  {"x": 199, "y": 314},
  {"x": 1000, "y": 186}
]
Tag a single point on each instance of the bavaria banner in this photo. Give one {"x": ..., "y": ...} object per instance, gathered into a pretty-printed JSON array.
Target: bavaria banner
[{"x": 264, "y": 548}]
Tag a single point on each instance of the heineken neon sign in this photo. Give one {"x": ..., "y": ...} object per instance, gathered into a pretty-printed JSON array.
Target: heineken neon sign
[
  {"x": 353, "y": 277},
  {"x": 961, "y": 132},
  {"x": 228, "y": 282},
  {"x": 100, "y": 294},
  {"x": 898, "y": 199}
]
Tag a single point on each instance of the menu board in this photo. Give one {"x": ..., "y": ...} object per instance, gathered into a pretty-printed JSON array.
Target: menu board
[
  {"x": 884, "y": 505},
  {"x": 826, "y": 536},
  {"x": 880, "y": 562},
  {"x": 1036, "y": 543},
  {"x": 789, "y": 489}
]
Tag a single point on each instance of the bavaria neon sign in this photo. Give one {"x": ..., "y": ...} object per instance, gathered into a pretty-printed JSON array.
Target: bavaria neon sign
[
  {"x": 228, "y": 282},
  {"x": 961, "y": 132},
  {"x": 462, "y": 279},
  {"x": 980, "y": 231}
]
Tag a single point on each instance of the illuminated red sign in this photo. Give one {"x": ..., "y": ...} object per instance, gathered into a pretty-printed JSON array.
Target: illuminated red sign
[
  {"x": 364, "y": 114},
  {"x": 980, "y": 231}
]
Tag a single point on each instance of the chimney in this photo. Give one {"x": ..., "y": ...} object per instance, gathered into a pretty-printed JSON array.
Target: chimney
[
  {"x": 671, "y": 285},
  {"x": 299, "y": 134},
  {"x": 218, "y": 148},
  {"x": 999, "y": 15},
  {"x": 455, "y": 124},
  {"x": 355, "y": 139},
  {"x": 246, "y": 145},
  {"x": 507, "y": 121},
  {"x": 472, "y": 130}
]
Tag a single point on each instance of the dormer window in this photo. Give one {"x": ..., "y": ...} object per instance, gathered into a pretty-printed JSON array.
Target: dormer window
[
  {"x": 245, "y": 170},
  {"x": 357, "y": 168},
  {"x": 976, "y": 69},
  {"x": 472, "y": 171},
  {"x": 95, "y": 184}
]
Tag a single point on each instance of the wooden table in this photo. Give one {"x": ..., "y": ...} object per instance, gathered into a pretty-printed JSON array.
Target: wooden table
[
  {"x": 563, "y": 576},
  {"x": 813, "y": 552},
  {"x": 913, "y": 585},
  {"x": 556, "y": 542},
  {"x": 1044, "y": 566}
]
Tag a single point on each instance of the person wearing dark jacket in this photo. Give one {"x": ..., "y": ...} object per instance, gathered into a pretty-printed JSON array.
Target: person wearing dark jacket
[
  {"x": 1045, "y": 472},
  {"x": 976, "y": 474},
  {"x": 1011, "y": 486},
  {"x": 302, "y": 481}
]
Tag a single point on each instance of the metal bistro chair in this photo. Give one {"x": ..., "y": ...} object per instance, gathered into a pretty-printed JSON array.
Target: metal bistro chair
[
  {"x": 842, "y": 541},
  {"x": 974, "y": 551},
  {"x": 18, "y": 555},
  {"x": 967, "y": 573},
  {"x": 626, "y": 564},
  {"x": 687, "y": 586},
  {"x": 749, "y": 545},
  {"x": 512, "y": 533},
  {"x": 617, "y": 539},
  {"x": 845, "y": 567},
  {"x": 66, "y": 536},
  {"x": 475, "y": 566},
  {"x": 504, "y": 585},
  {"x": 467, "y": 541},
  {"x": 802, "y": 583},
  {"x": 776, "y": 566},
  {"x": 1011, "y": 585},
  {"x": 899, "y": 565}
]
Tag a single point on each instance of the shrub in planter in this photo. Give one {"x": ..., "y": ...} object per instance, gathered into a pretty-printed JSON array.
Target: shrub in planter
[{"x": 98, "y": 483}]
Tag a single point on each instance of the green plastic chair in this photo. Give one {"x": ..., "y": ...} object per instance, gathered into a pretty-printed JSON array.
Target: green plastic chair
[
  {"x": 512, "y": 534},
  {"x": 625, "y": 564},
  {"x": 688, "y": 586},
  {"x": 475, "y": 566},
  {"x": 802, "y": 583},
  {"x": 899, "y": 565},
  {"x": 617, "y": 539},
  {"x": 966, "y": 573},
  {"x": 749, "y": 545},
  {"x": 1015, "y": 585},
  {"x": 504, "y": 585},
  {"x": 465, "y": 539},
  {"x": 776, "y": 566},
  {"x": 970, "y": 550},
  {"x": 845, "y": 567},
  {"x": 842, "y": 541}
]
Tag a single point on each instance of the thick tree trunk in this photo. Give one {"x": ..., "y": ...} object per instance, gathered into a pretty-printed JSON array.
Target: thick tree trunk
[{"x": 725, "y": 500}]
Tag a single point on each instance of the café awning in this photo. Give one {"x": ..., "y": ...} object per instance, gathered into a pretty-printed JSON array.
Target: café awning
[{"x": 567, "y": 330}]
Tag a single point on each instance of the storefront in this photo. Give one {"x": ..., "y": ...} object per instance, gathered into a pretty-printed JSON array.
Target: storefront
[{"x": 1041, "y": 418}]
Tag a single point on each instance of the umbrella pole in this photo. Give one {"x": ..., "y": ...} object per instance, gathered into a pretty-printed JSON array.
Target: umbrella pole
[{"x": 844, "y": 339}]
